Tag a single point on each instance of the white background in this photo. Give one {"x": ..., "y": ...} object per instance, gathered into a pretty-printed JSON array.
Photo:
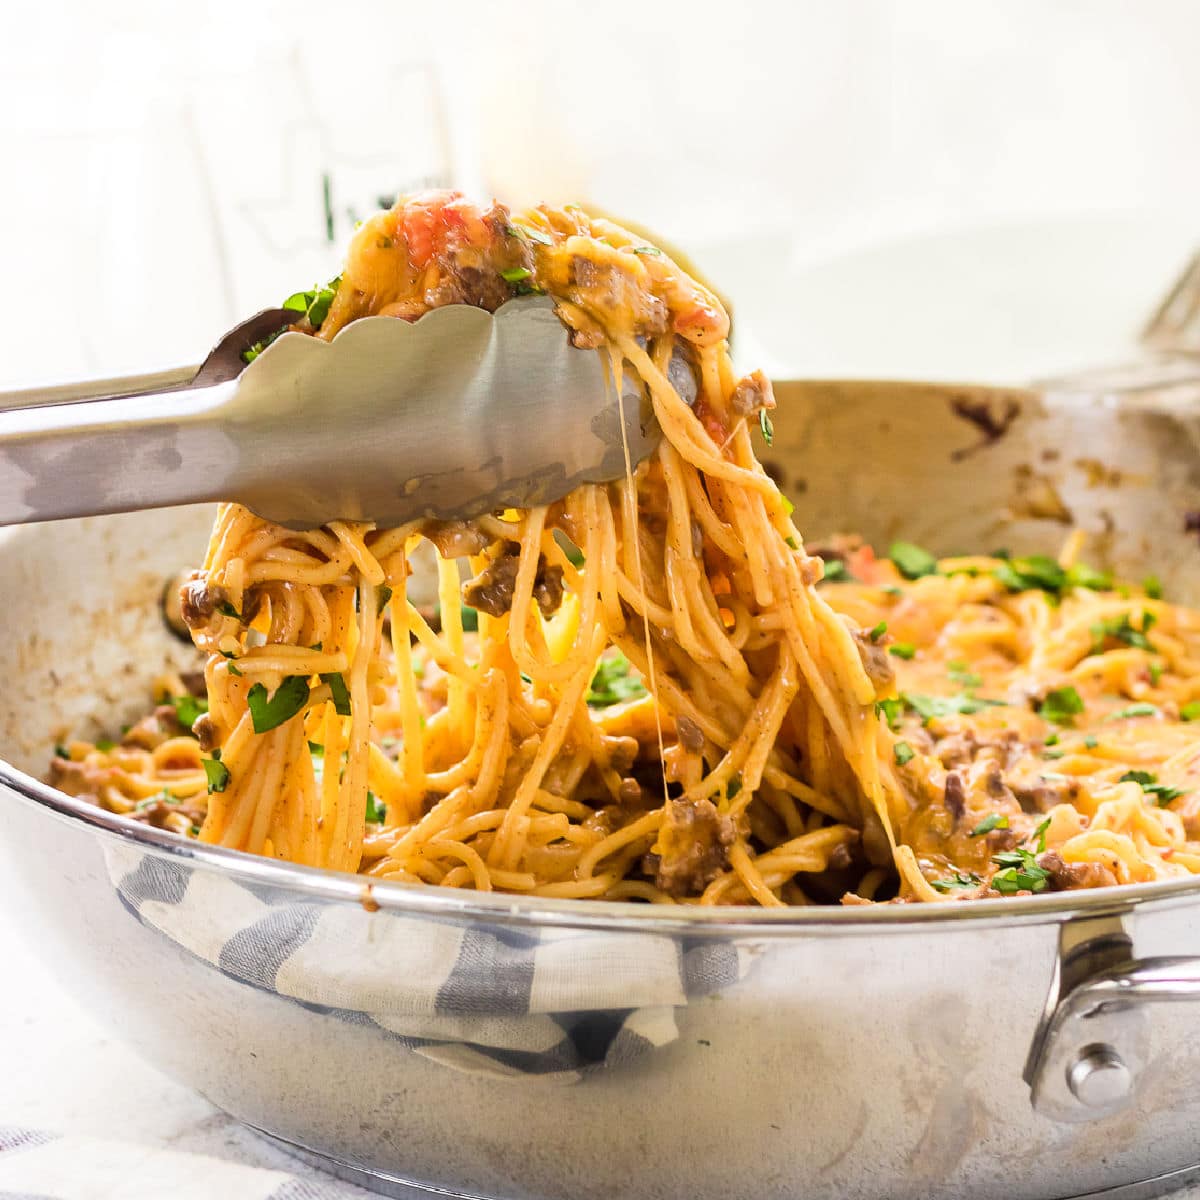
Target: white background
[
  {"x": 910, "y": 186},
  {"x": 162, "y": 163}
]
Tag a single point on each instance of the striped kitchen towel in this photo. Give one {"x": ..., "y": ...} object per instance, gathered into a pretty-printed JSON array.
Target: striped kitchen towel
[
  {"x": 482, "y": 998},
  {"x": 35, "y": 1165}
]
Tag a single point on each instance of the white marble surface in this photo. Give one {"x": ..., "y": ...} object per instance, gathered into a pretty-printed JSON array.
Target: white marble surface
[{"x": 64, "y": 1073}]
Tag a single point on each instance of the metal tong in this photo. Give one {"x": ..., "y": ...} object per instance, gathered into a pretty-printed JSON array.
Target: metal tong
[{"x": 460, "y": 413}]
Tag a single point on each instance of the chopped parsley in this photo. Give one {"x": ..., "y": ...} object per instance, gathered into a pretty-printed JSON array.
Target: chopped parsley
[
  {"x": 104, "y": 745},
  {"x": 1161, "y": 793},
  {"x": 890, "y": 711},
  {"x": 227, "y": 610},
  {"x": 60, "y": 751},
  {"x": 912, "y": 561},
  {"x": 470, "y": 619},
  {"x": 904, "y": 753},
  {"x": 903, "y": 650},
  {"x": 792, "y": 543},
  {"x": 1061, "y": 705},
  {"x": 1052, "y": 740},
  {"x": 836, "y": 571},
  {"x": 1090, "y": 742},
  {"x": 316, "y": 748},
  {"x": 766, "y": 428},
  {"x": 383, "y": 597},
  {"x": 339, "y": 692},
  {"x": 376, "y": 811},
  {"x": 960, "y": 881},
  {"x": 1190, "y": 711},
  {"x": 515, "y": 274},
  {"x": 995, "y": 821},
  {"x": 733, "y": 787},
  {"x": 216, "y": 772},
  {"x": 878, "y": 631},
  {"x": 1135, "y": 710},
  {"x": 653, "y": 251},
  {"x": 614, "y": 682},
  {"x": 189, "y": 709},
  {"x": 1156, "y": 672},
  {"x": 1153, "y": 587},
  {"x": 267, "y": 713}
]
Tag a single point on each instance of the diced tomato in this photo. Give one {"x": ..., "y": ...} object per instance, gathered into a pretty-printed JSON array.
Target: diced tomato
[
  {"x": 863, "y": 565},
  {"x": 696, "y": 319},
  {"x": 713, "y": 425}
]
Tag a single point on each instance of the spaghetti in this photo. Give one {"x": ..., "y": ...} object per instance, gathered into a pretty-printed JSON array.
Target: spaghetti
[{"x": 666, "y": 697}]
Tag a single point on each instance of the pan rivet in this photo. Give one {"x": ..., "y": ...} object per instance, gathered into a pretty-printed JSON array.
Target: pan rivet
[{"x": 1099, "y": 1078}]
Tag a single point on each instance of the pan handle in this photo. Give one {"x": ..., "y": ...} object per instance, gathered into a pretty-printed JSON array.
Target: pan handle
[{"x": 1094, "y": 1044}]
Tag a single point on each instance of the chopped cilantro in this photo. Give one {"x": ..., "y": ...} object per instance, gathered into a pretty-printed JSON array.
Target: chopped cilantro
[
  {"x": 267, "y": 713},
  {"x": 316, "y": 748},
  {"x": 315, "y": 303},
  {"x": 217, "y": 774},
  {"x": 1052, "y": 740},
  {"x": 653, "y": 251},
  {"x": 836, "y": 571},
  {"x": 60, "y": 751},
  {"x": 515, "y": 274},
  {"x": 912, "y": 561},
  {"x": 1156, "y": 671},
  {"x": 995, "y": 821},
  {"x": 961, "y": 673},
  {"x": 614, "y": 682},
  {"x": 533, "y": 235},
  {"x": 1090, "y": 742},
  {"x": 1038, "y": 572},
  {"x": 1122, "y": 629},
  {"x": 1161, "y": 793},
  {"x": 339, "y": 692},
  {"x": 1061, "y": 706},
  {"x": 189, "y": 709},
  {"x": 1019, "y": 872},
  {"x": 766, "y": 428},
  {"x": 1190, "y": 711},
  {"x": 376, "y": 811},
  {"x": 878, "y": 631},
  {"x": 792, "y": 543},
  {"x": 958, "y": 882},
  {"x": 930, "y": 707},
  {"x": 904, "y": 753},
  {"x": 1134, "y": 710},
  {"x": 1039, "y": 835},
  {"x": 890, "y": 711},
  {"x": 383, "y": 597},
  {"x": 903, "y": 650},
  {"x": 733, "y": 787},
  {"x": 252, "y": 352},
  {"x": 1153, "y": 587},
  {"x": 104, "y": 745}
]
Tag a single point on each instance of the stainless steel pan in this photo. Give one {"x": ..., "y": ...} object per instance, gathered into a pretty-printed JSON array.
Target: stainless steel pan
[{"x": 1016, "y": 1049}]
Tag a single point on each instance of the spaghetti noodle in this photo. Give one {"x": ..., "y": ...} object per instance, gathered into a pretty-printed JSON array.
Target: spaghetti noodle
[{"x": 663, "y": 700}]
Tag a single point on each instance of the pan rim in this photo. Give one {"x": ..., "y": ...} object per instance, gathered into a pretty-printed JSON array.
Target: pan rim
[{"x": 315, "y": 883}]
